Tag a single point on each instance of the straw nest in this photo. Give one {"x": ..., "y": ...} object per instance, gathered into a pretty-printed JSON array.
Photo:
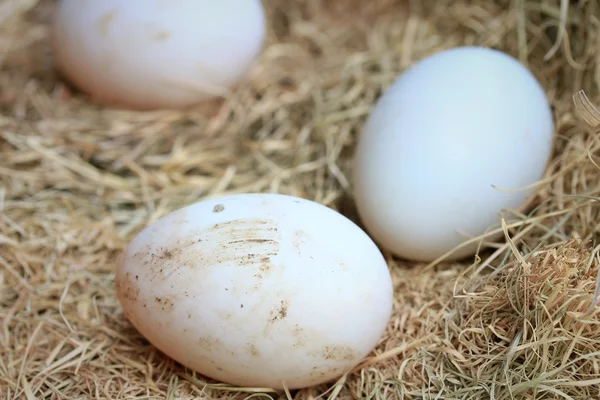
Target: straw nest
[{"x": 78, "y": 180}]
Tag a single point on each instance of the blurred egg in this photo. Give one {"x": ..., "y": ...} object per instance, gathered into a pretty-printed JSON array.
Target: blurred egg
[
  {"x": 257, "y": 289},
  {"x": 452, "y": 142},
  {"x": 151, "y": 54}
]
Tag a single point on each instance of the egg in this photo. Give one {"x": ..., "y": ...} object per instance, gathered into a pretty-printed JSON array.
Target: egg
[
  {"x": 257, "y": 290},
  {"x": 157, "y": 54},
  {"x": 456, "y": 139}
]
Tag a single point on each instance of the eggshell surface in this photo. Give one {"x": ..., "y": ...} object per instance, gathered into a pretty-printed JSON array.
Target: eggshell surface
[
  {"x": 151, "y": 54},
  {"x": 452, "y": 142},
  {"x": 257, "y": 289}
]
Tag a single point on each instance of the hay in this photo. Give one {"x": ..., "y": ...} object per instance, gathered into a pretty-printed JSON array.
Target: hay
[{"x": 78, "y": 180}]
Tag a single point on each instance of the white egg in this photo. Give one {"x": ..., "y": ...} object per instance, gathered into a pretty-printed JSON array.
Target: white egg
[
  {"x": 454, "y": 140},
  {"x": 257, "y": 289},
  {"x": 151, "y": 54}
]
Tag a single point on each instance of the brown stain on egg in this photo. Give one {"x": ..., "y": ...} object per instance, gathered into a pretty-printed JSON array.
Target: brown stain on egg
[
  {"x": 320, "y": 373},
  {"x": 160, "y": 36},
  {"x": 104, "y": 22},
  {"x": 243, "y": 242},
  {"x": 252, "y": 350},
  {"x": 166, "y": 254},
  {"x": 165, "y": 303},
  {"x": 266, "y": 267},
  {"x": 299, "y": 336},
  {"x": 279, "y": 312},
  {"x": 159, "y": 263},
  {"x": 126, "y": 287},
  {"x": 299, "y": 239},
  {"x": 338, "y": 353},
  {"x": 218, "y": 208},
  {"x": 210, "y": 344},
  {"x": 164, "y": 259}
]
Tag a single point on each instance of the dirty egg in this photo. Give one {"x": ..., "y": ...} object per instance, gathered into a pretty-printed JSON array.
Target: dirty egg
[
  {"x": 151, "y": 54},
  {"x": 257, "y": 289}
]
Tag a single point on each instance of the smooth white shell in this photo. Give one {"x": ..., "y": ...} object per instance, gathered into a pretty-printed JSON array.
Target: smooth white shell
[
  {"x": 256, "y": 289},
  {"x": 450, "y": 144},
  {"x": 155, "y": 53}
]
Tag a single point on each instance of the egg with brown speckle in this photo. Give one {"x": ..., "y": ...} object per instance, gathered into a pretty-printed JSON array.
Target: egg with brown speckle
[{"x": 257, "y": 290}]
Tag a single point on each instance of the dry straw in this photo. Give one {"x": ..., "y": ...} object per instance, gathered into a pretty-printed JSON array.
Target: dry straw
[{"x": 78, "y": 180}]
